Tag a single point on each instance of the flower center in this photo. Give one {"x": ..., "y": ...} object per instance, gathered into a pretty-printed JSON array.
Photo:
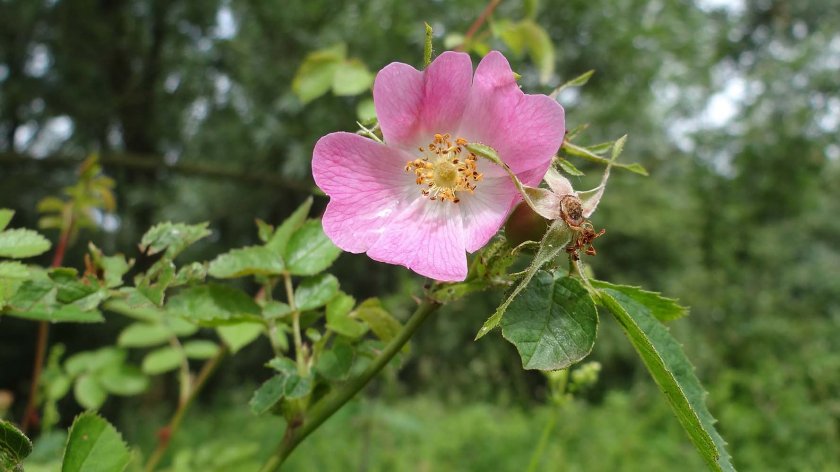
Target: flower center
[{"x": 444, "y": 169}]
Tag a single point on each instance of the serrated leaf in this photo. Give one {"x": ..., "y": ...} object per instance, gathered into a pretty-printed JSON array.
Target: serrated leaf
[
  {"x": 5, "y": 217},
  {"x": 172, "y": 238},
  {"x": 14, "y": 445},
  {"x": 280, "y": 239},
  {"x": 94, "y": 446},
  {"x": 315, "y": 292},
  {"x": 336, "y": 362},
  {"x": 89, "y": 393},
  {"x": 314, "y": 77},
  {"x": 162, "y": 360},
  {"x": 200, "y": 349},
  {"x": 351, "y": 77},
  {"x": 12, "y": 276},
  {"x": 239, "y": 335},
  {"x": 382, "y": 323},
  {"x": 114, "y": 268},
  {"x": 212, "y": 304},
  {"x": 282, "y": 385},
  {"x": 664, "y": 358},
  {"x": 144, "y": 335},
  {"x": 552, "y": 322},
  {"x": 310, "y": 251},
  {"x": 664, "y": 309},
  {"x": 20, "y": 243},
  {"x": 253, "y": 260},
  {"x": 568, "y": 167},
  {"x": 552, "y": 244}
]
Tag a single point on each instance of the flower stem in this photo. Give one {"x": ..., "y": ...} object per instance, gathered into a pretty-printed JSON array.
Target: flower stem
[
  {"x": 171, "y": 428},
  {"x": 331, "y": 403},
  {"x": 31, "y": 411}
]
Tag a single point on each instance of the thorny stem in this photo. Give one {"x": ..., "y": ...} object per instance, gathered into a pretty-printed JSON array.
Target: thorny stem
[
  {"x": 332, "y": 402},
  {"x": 31, "y": 411},
  {"x": 290, "y": 296},
  {"x": 168, "y": 431}
]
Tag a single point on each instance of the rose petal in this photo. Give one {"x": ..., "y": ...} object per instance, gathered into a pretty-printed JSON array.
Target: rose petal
[
  {"x": 485, "y": 211},
  {"x": 526, "y": 130},
  {"x": 367, "y": 184},
  {"x": 428, "y": 238},
  {"x": 412, "y": 105}
]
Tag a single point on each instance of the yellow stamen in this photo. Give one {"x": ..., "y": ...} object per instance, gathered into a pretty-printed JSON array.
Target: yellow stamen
[{"x": 442, "y": 170}]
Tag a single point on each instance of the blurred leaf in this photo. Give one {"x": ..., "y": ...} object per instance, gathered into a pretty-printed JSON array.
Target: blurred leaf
[
  {"x": 190, "y": 274},
  {"x": 5, "y": 217},
  {"x": 568, "y": 167},
  {"x": 89, "y": 393},
  {"x": 114, "y": 268},
  {"x": 528, "y": 36},
  {"x": 315, "y": 292},
  {"x": 552, "y": 322},
  {"x": 253, "y": 260},
  {"x": 172, "y": 238},
  {"x": 335, "y": 363},
  {"x": 20, "y": 243},
  {"x": 162, "y": 360},
  {"x": 14, "y": 445},
  {"x": 239, "y": 335},
  {"x": 144, "y": 335},
  {"x": 212, "y": 304},
  {"x": 310, "y": 250},
  {"x": 664, "y": 358},
  {"x": 532, "y": 8},
  {"x": 94, "y": 446},
  {"x": 286, "y": 384},
  {"x": 264, "y": 230},
  {"x": 123, "y": 380},
  {"x": 351, "y": 77},
  {"x": 365, "y": 111},
  {"x": 201, "y": 349},
  {"x": 382, "y": 323},
  {"x": 12, "y": 276},
  {"x": 280, "y": 239},
  {"x": 315, "y": 75},
  {"x": 275, "y": 310},
  {"x": 664, "y": 309},
  {"x": 338, "y": 319},
  {"x": 578, "y": 81}
]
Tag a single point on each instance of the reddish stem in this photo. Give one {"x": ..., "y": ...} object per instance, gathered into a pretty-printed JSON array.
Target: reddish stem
[{"x": 488, "y": 10}]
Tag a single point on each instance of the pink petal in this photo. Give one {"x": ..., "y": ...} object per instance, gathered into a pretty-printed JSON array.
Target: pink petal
[
  {"x": 412, "y": 105},
  {"x": 526, "y": 130},
  {"x": 485, "y": 211},
  {"x": 428, "y": 238},
  {"x": 367, "y": 184}
]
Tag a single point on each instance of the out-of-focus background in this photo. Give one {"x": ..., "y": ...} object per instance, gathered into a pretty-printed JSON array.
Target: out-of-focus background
[{"x": 733, "y": 107}]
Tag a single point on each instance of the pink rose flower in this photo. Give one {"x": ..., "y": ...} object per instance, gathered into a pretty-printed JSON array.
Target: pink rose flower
[{"x": 421, "y": 199}]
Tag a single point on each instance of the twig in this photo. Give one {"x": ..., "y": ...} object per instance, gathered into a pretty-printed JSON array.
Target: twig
[{"x": 488, "y": 10}]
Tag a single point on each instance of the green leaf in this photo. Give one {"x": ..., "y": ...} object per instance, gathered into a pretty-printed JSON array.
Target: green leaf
[
  {"x": 114, "y": 268},
  {"x": 315, "y": 292},
  {"x": 578, "y": 81},
  {"x": 123, "y": 380},
  {"x": 568, "y": 167},
  {"x": 200, "y": 349},
  {"x": 380, "y": 321},
  {"x": 552, "y": 323},
  {"x": 264, "y": 230},
  {"x": 664, "y": 358},
  {"x": 314, "y": 77},
  {"x": 211, "y": 304},
  {"x": 89, "y": 393},
  {"x": 310, "y": 251},
  {"x": 144, "y": 335},
  {"x": 254, "y": 260},
  {"x": 239, "y": 335},
  {"x": 528, "y": 36},
  {"x": 19, "y": 243},
  {"x": 14, "y": 445},
  {"x": 5, "y": 217},
  {"x": 335, "y": 363},
  {"x": 162, "y": 360},
  {"x": 664, "y": 309},
  {"x": 351, "y": 77},
  {"x": 283, "y": 385},
  {"x": 339, "y": 320},
  {"x": 280, "y": 239},
  {"x": 94, "y": 361},
  {"x": 274, "y": 310},
  {"x": 552, "y": 244},
  {"x": 365, "y": 111},
  {"x": 94, "y": 446},
  {"x": 172, "y": 238},
  {"x": 12, "y": 276}
]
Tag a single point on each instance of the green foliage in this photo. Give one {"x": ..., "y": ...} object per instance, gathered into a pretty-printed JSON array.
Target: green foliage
[
  {"x": 172, "y": 238},
  {"x": 255, "y": 260},
  {"x": 552, "y": 322},
  {"x": 315, "y": 292},
  {"x": 330, "y": 68},
  {"x": 672, "y": 371},
  {"x": 662, "y": 308},
  {"x": 94, "y": 445},
  {"x": 213, "y": 304},
  {"x": 95, "y": 375},
  {"x": 22, "y": 243},
  {"x": 14, "y": 445},
  {"x": 528, "y": 36},
  {"x": 309, "y": 250},
  {"x": 163, "y": 360},
  {"x": 287, "y": 384}
]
